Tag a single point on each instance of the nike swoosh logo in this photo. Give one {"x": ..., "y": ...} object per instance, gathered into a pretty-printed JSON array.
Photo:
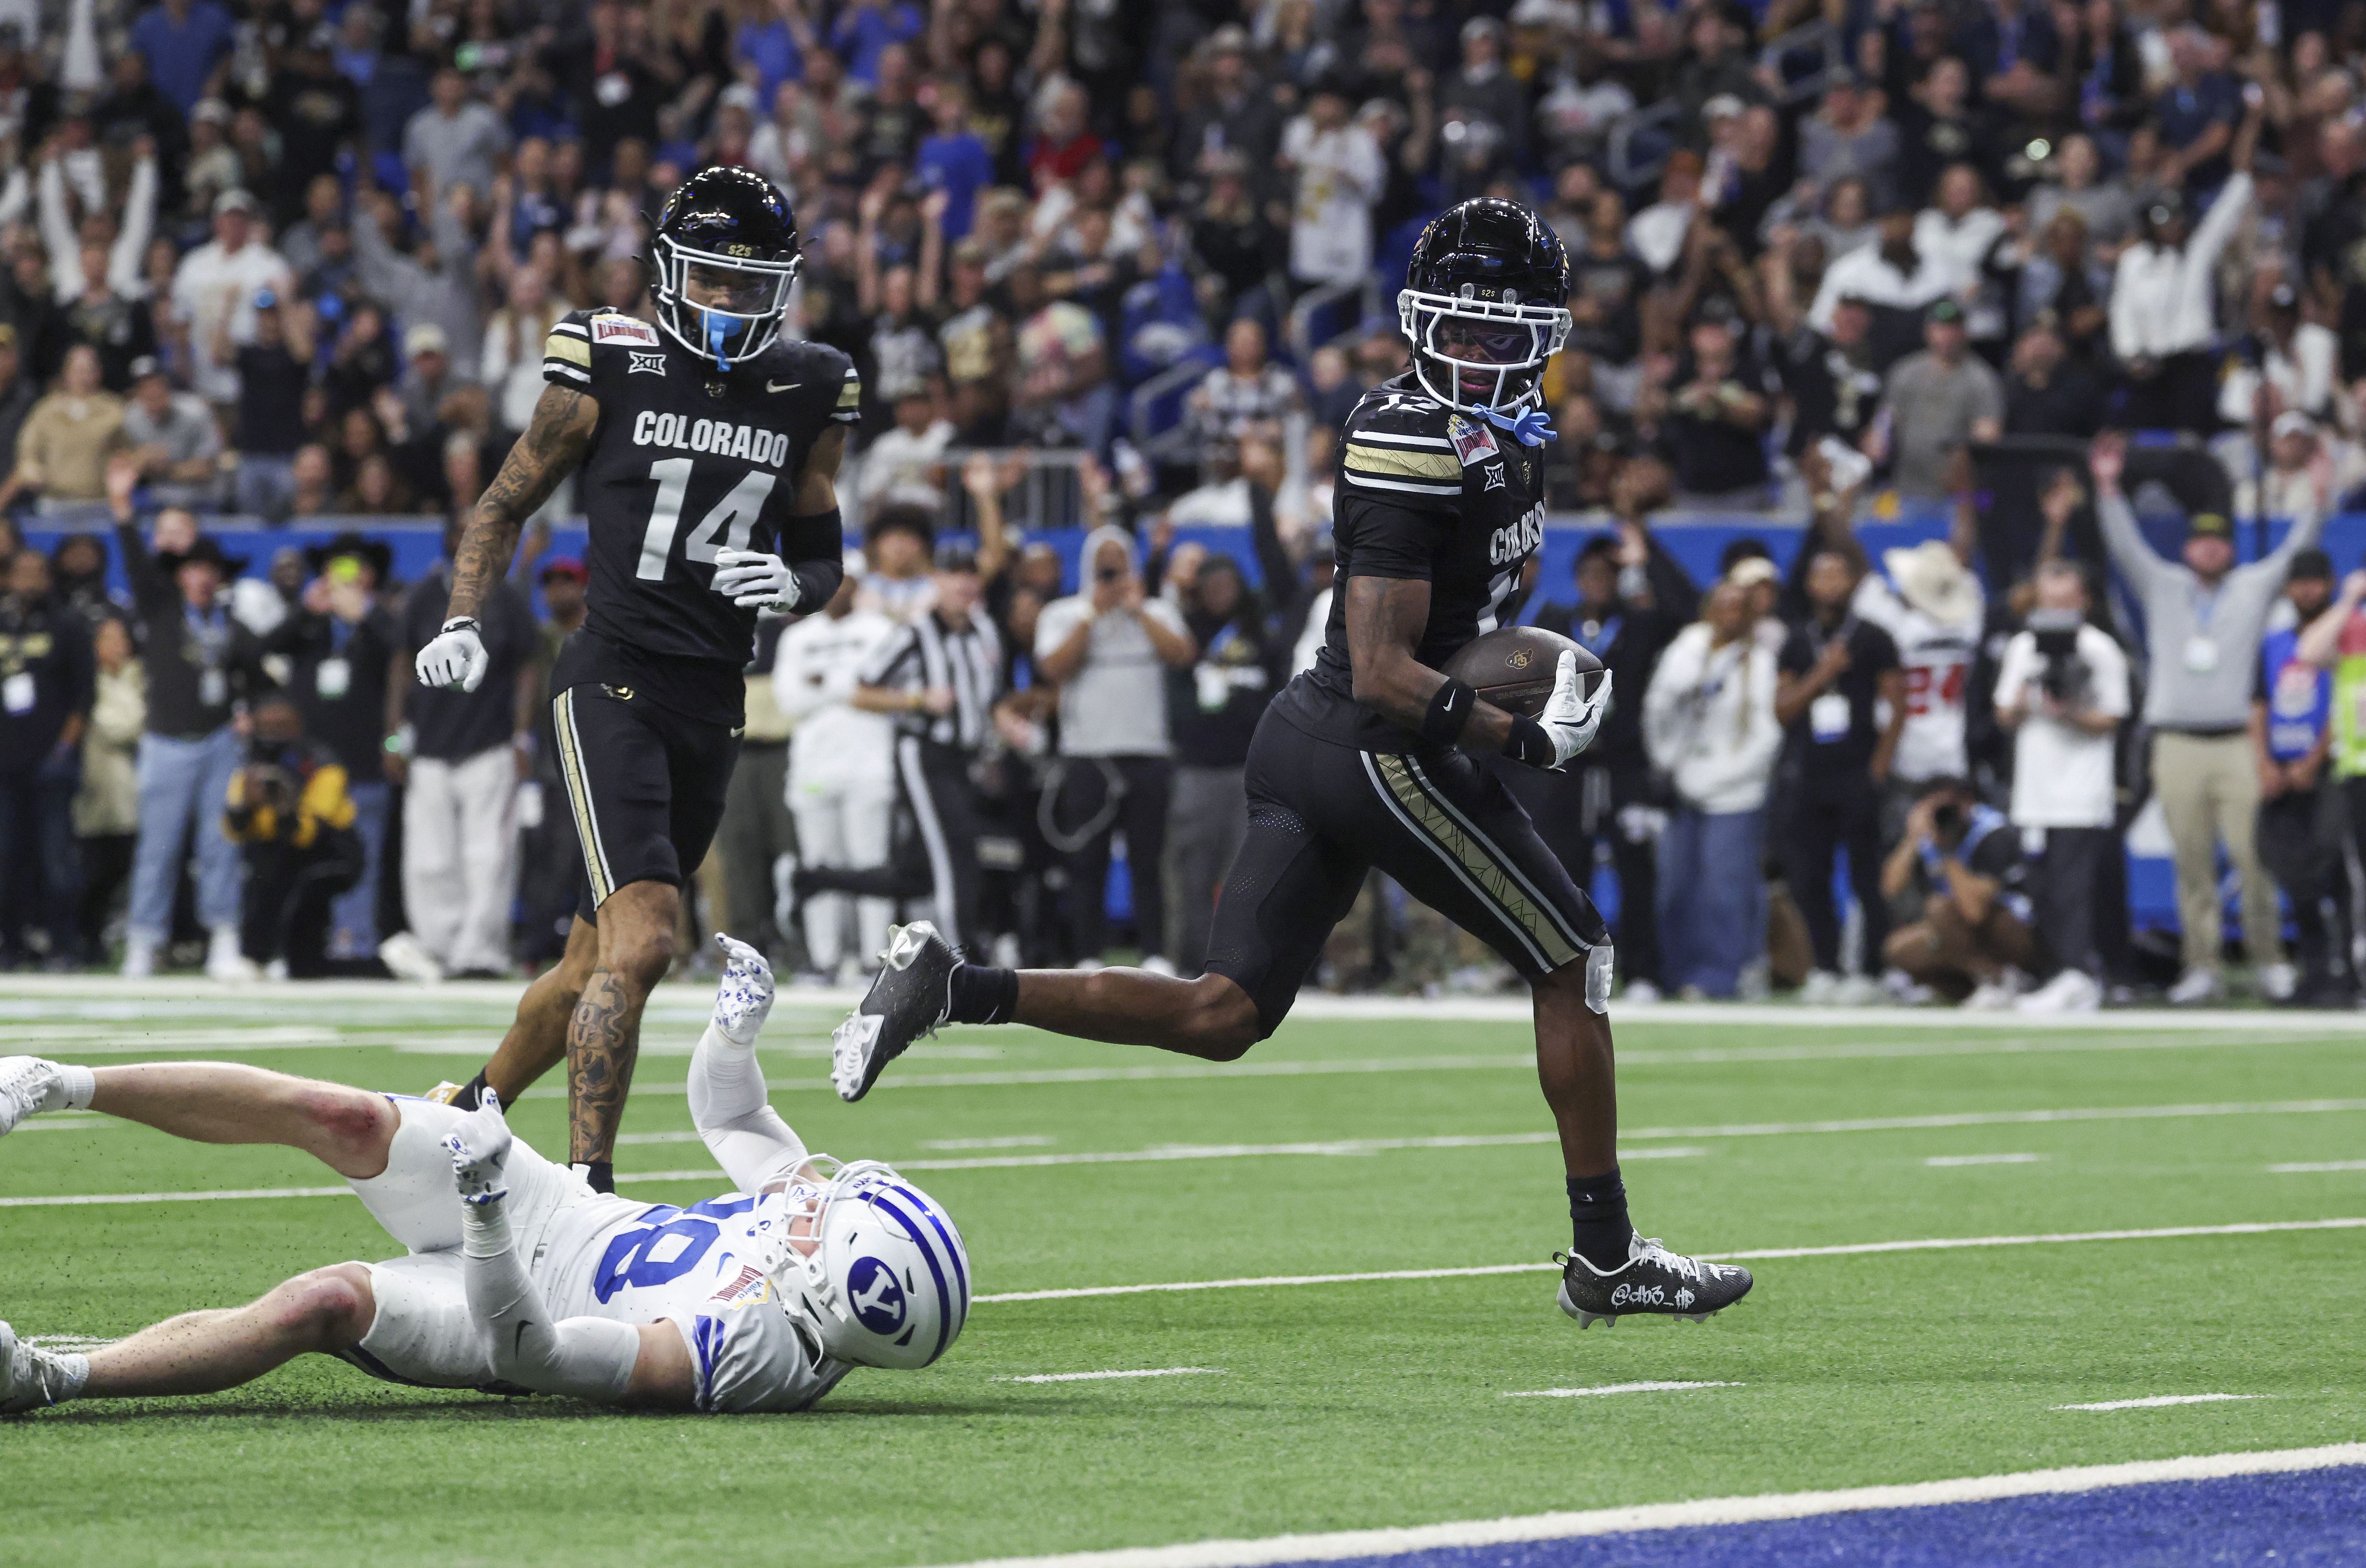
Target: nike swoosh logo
[{"x": 783, "y": 386}]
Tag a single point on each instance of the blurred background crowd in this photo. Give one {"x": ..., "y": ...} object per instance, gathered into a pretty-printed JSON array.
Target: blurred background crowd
[{"x": 1904, "y": 667}]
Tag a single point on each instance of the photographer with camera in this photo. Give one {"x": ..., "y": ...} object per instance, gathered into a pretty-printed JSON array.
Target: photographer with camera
[
  {"x": 291, "y": 815},
  {"x": 2203, "y": 618},
  {"x": 1974, "y": 941},
  {"x": 2062, "y": 690}
]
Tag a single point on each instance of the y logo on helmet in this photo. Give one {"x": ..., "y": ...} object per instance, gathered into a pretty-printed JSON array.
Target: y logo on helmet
[
  {"x": 1506, "y": 545},
  {"x": 878, "y": 1300}
]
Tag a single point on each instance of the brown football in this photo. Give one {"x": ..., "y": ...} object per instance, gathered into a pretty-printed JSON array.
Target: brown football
[{"x": 1514, "y": 667}]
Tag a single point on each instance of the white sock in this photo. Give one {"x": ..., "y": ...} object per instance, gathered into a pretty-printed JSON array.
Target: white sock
[
  {"x": 72, "y": 1091},
  {"x": 73, "y": 1371}
]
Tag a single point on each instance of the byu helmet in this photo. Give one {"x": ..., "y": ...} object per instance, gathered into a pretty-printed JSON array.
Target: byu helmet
[
  {"x": 878, "y": 1271},
  {"x": 1486, "y": 303},
  {"x": 731, "y": 232}
]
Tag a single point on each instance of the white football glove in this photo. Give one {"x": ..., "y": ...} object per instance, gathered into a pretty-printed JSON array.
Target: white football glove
[
  {"x": 745, "y": 997},
  {"x": 1571, "y": 720},
  {"x": 456, "y": 660},
  {"x": 480, "y": 1150},
  {"x": 753, "y": 581}
]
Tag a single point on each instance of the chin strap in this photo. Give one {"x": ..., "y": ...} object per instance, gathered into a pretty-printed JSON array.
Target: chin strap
[
  {"x": 715, "y": 343},
  {"x": 1532, "y": 426}
]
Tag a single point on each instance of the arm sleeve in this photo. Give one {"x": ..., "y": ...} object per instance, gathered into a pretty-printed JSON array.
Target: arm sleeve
[
  {"x": 2129, "y": 551},
  {"x": 139, "y": 569},
  {"x": 815, "y": 552},
  {"x": 138, "y": 223},
  {"x": 2124, "y": 340},
  {"x": 586, "y": 1358},
  {"x": 727, "y": 1105},
  {"x": 2218, "y": 224},
  {"x": 2303, "y": 532},
  {"x": 57, "y": 235}
]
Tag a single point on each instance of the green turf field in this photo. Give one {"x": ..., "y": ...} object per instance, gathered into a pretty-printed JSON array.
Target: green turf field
[{"x": 1324, "y": 1406}]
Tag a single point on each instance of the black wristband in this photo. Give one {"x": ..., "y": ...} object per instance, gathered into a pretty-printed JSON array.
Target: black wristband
[
  {"x": 1528, "y": 743},
  {"x": 471, "y": 621},
  {"x": 1450, "y": 713}
]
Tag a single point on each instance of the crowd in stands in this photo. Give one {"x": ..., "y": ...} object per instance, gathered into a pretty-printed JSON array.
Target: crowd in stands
[{"x": 294, "y": 260}]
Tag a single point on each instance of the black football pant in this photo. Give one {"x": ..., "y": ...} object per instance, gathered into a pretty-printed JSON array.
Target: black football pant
[
  {"x": 1576, "y": 812},
  {"x": 1440, "y": 822}
]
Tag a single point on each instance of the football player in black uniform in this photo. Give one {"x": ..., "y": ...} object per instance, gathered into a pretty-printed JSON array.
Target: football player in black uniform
[
  {"x": 1375, "y": 758},
  {"x": 708, "y": 448}
]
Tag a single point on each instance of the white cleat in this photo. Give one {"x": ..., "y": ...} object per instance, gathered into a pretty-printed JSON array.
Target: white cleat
[
  {"x": 31, "y": 1377},
  {"x": 28, "y": 1085}
]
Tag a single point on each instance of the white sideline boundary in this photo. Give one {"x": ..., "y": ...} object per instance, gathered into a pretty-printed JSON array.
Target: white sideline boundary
[{"x": 1344, "y": 1544}]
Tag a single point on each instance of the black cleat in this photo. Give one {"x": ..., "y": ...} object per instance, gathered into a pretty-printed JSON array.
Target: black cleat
[
  {"x": 1653, "y": 1281},
  {"x": 910, "y": 997}
]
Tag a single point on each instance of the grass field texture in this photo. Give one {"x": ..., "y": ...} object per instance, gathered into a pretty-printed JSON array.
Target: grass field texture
[{"x": 1342, "y": 1146}]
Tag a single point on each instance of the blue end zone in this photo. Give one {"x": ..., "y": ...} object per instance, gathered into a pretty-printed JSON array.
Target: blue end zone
[{"x": 2310, "y": 1517}]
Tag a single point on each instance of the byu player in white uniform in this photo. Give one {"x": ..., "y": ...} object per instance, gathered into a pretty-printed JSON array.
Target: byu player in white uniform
[
  {"x": 841, "y": 769},
  {"x": 519, "y": 1277}
]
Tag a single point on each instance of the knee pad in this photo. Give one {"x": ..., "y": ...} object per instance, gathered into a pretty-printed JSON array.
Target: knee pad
[{"x": 1598, "y": 965}]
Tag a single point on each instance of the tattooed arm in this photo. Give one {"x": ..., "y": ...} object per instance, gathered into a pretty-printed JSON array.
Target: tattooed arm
[
  {"x": 1385, "y": 618},
  {"x": 554, "y": 442}
]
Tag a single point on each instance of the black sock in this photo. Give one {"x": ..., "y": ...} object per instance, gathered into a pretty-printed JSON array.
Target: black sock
[
  {"x": 1598, "y": 1213},
  {"x": 472, "y": 1093},
  {"x": 984, "y": 994},
  {"x": 598, "y": 1174}
]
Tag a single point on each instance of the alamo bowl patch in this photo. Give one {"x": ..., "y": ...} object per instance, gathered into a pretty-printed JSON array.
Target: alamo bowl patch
[
  {"x": 623, "y": 330},
  {"x": 1472, "y": 442}
]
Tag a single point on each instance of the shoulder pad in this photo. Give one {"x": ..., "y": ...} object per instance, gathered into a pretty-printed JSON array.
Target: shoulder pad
[{"x": 1398, "y": 444}]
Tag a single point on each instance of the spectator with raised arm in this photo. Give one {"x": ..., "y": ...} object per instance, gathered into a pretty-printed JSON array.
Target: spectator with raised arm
[{"x": 2203, "y": 618}]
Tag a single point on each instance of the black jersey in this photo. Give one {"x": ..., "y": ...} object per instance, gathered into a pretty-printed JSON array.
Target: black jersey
[
  {"x": 688, "y": 461},
  {"x": 1422, "y": 492}
]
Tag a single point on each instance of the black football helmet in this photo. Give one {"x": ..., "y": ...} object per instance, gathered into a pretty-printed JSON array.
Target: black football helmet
[
  {"x": 1485, "y": 303},
  {"x": 729, "y": 234}
]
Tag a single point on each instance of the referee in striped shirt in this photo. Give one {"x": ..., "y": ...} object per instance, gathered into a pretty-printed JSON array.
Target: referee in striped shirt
[{"x": 937, "y": 676}]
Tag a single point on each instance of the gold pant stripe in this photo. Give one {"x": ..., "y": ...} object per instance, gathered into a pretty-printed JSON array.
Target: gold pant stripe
[
  {"x": 1535, "y": 894},
  {"x": 579, "y": 797},
  {"x": 1479, "y": 869}
]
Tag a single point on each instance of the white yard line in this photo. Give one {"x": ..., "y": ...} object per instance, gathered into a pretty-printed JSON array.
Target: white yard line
[
  {"x": 2313, "y": 1167},
  {"x": 1934, "y": 1244},
  {"x": 1471, "y": 1534},
  {"x": 1096, "y": 1377},
  {"x": 217, "y": 1195},
  {"x": 1171, "y": 1152},
  {"x": 1615, "y": 1388},
  {"x": 1943, "y": 1160},
  {"x": 2160, "y": 1400}
]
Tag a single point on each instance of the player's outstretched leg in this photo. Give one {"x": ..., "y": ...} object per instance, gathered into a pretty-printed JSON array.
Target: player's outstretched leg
[
  {"x": 328, "y": 1310},
  {"x": 1609, "y": 1271},
  {"x": 922, "y": 983},
  {"x": 211, "y": 1101}
]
